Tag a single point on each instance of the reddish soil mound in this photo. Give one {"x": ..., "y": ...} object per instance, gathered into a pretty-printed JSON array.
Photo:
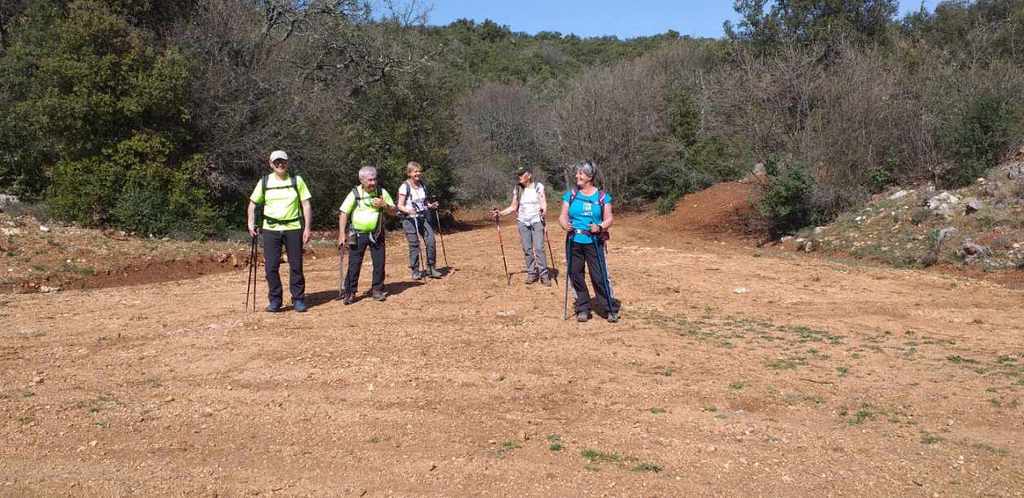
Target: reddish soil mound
[{"x": 725, "y": 208}]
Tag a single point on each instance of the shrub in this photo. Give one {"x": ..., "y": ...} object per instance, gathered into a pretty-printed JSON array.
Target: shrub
[
  {"x": 985, "y": 130},
  {"x": 666, "y": 204},
  {"x": 787, "y": 199},
  {"x": 83, "y": 191},
  {"x": 136, "y": 186}
]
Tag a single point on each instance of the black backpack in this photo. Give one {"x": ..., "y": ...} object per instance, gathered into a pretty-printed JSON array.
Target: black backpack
[{"x": 274, "y": 221}]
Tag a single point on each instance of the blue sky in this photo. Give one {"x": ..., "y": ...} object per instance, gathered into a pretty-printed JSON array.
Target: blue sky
[{"x": 624, "y": 19}]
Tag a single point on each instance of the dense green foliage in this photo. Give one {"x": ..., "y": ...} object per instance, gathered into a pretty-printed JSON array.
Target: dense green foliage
[
  {"x": 787, "y": 198},
  {"x": 158, "y": 116}
]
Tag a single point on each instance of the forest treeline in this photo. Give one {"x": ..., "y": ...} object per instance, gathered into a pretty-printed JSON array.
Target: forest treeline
[{"x": 157, "y": 116}]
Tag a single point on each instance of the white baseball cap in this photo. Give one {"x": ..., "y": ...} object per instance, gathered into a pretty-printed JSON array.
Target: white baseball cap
[{"x": 278, "y": 154}]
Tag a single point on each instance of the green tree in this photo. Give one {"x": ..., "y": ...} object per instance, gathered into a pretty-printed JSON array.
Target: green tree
[
  {"x": 88, "y": 87},
  {"x": 811, "y": 21}
]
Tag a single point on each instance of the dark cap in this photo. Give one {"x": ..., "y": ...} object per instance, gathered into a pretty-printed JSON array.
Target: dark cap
[{"x": 522, "y": 169}]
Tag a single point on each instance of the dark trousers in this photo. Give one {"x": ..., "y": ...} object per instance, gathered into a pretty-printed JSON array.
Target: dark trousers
[
  {"x": 415, "y": 228},
  {"x": 356, "y": 250},
  {"x": 273, "y": 240},
  {"x": 587, "y": 254}
]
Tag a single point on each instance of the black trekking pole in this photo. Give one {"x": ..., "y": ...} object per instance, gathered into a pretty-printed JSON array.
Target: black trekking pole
[
  {"x": 568, "y": 268},
  {"x": 256, "y": 269},
  {"x": 550, "y": 251},
  {"x": 341, "y": 270},
  {"x": 251, "y": 280},
  {"x": 508, "y": 276},
  {"x": 249, "y": 277},
  {"x": 602, "y": 258},
  {"x": 441, "y": 235}
]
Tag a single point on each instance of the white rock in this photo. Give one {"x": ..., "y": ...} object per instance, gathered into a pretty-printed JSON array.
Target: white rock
[
  {"x": 741, "y": 290},
  {"x": 44, "y": 228},
  {"x": 944, "y": 203},
  {"x": 899, "y": 195},
  {"x": 7, "y": 200}
]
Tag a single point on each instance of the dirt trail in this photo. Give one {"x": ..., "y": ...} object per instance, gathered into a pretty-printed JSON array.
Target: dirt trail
[{"x": 731, "y": 373}]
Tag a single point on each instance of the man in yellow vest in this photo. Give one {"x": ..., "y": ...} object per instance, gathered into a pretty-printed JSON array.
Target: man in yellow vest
[
  {"x": 361, "y": 225},
  {"x": 287, "y": 215}
]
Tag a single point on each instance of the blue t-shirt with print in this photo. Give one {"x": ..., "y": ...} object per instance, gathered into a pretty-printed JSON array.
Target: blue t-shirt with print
[{"x": 584, "y": 211}]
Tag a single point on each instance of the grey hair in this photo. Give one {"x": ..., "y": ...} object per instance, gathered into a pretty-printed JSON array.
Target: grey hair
[
  {"x": 367, "y": 172},
  {"x": 587, "y": 168}
]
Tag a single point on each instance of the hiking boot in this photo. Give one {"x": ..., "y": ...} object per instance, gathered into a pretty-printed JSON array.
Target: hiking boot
[
  {"x": 531, "y": 279},
  {"x": 348, "y": 298},
  {"x": 582, "y": 316},
  {"x": 273, "y": 308},
  {"x": 417, "y": 275},
  {"x": 379, "y": 295},
  {"x": 613, "y": 316},
  {"x": 433, "y": 273},
  {"x": 545, "y": 280},
  {"x": 300, "y": 306}
]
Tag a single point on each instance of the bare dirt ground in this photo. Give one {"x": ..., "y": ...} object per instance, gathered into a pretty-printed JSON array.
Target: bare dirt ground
[{"x": 733, "y": 372}]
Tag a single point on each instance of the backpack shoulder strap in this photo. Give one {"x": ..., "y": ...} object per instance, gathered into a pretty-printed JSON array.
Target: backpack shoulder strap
[
  {"x": 408, "y": 192},
  {"x": 263, "y": 188},
  {"x": 572, "y": 197},
  {"x": 600, "y": 199},
  {"x": 298, "y": 200}
]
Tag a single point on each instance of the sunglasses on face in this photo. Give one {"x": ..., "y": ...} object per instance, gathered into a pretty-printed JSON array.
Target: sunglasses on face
[{"x": 280, "y": 163}]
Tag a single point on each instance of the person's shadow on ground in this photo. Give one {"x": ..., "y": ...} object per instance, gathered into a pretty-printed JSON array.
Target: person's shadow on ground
[
  {"x": 317, "y": 298},
  {"x": 396, "y": 288},
  {"x": 392, "y": 289}
]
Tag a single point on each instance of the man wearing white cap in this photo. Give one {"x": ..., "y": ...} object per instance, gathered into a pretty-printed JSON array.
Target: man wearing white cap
[{"x": 287, "y": 215}]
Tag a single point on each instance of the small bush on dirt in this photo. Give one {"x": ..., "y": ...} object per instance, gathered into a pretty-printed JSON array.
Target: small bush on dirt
[
  {"x": 595, "y": 456},
  {"x": 787, "y": 199},
  {"x": 555, "y": 442},
  {"x": 647, "y": 467},
  {"x": 666, "y": 204}
]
